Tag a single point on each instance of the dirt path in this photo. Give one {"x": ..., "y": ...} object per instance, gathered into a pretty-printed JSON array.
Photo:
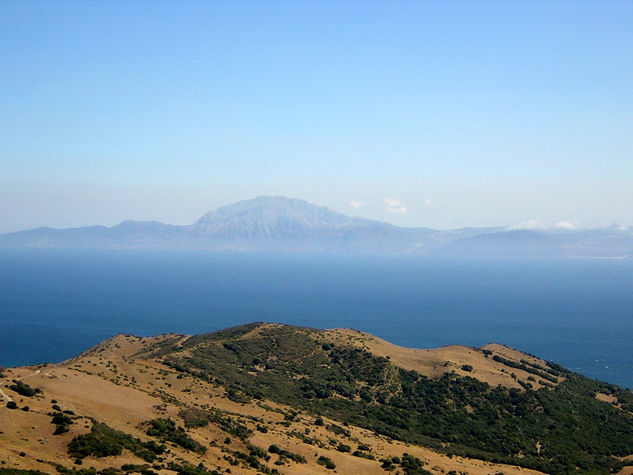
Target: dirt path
[{"x": 4, "y": 396}]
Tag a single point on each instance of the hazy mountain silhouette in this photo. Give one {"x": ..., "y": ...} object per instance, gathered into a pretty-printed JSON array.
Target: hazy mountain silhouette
[{"x": 283, "y": 224}]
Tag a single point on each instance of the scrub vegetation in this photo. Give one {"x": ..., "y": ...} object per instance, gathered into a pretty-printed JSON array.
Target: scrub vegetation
[{"x": 555, "y": 429}]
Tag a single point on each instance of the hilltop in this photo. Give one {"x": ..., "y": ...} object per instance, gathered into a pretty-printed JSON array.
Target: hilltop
[
  {"x": 277, "y": 223},
  {"x": 270, "y": 398}
]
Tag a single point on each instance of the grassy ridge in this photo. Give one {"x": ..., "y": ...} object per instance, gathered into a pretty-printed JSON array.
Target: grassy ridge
[{"x": 554, "y": 430}]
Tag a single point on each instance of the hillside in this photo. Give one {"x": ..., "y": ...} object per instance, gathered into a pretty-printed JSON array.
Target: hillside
[
  {"x": 266, "y": 398},
  {"x": 277, "y": 223}
]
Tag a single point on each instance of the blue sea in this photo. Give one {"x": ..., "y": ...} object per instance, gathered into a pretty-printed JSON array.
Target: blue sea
[{"x": 579, "y": 313}]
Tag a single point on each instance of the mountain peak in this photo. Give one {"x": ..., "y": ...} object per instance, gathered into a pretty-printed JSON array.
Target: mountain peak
[
  {"x": 261, "y": 204},
  {"x": 267, "y": 217}
]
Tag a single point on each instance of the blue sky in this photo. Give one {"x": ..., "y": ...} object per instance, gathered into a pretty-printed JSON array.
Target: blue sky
[{"x": 441, "y": 114}]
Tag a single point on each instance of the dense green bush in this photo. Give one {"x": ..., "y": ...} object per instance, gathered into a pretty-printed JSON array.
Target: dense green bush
[
  {"x": 23, "y": 389},
  {"x": 325, "y": 461},
  {"x": 358, "y": 453},
  {"x": 103, "y": 441},
  {"x": 195, "y": 417},
  {"x": 62, "y": 421},
  {"x": 413, "y": 465},
  {"x": 59, "y": 419},
  {"x": 524, "y": 365},
  {"x": 238, "y": 396},
  {"x": 167, "y": 430},
  {"x": 341, "y": 447}
]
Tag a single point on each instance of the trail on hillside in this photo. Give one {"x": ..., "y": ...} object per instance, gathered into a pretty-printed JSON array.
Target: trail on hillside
[{"x": 4, "y": 396}]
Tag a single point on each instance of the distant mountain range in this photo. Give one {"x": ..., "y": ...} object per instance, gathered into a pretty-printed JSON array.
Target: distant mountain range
[{"x": 284, "y": 224}]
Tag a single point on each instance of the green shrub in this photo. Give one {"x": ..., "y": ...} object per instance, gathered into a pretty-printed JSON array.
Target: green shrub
[
  {"x": 60, "y": 430},
  {"x": 62, "y": 422},
  {"x": 167, "y": 430},
  {"x": 195, "y": 417},
  {"x": 341, "y": 447},
  {"x": 413, "y": 465},
  {"x": 338, "y": 430},
  {"x": 59, "y": 419},
  {"x": 286, "y": 454},
  {"x": 229, "y": 425},
  {"x": 23, "y": 389},
  {"x": 325, "y": 461},
  {"x": 237, "y": 396},
  {"x": 103, "y": 441}
]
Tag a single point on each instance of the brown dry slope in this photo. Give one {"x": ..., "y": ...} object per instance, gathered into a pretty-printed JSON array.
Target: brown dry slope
[
  {"x": 125, "y": 384},
  {"x": 438, "y": 361}
]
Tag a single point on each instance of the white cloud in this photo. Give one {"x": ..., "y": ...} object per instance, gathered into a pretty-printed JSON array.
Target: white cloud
[
  {"x": 428, "y": 202},
  {"x": 532, "y": 224},
  {"x": 565, "y": 225},
  {"x": 357, "y": 204},
  {"x": 528, "y": 224},
  {"x": 400, "y": 210},
  {"x": 393, "y": 202},
  {"x": 395, "y": 206}
]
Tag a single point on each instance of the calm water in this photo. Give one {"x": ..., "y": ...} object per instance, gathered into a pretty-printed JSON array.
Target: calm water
[{"x": 579, "y": 313}]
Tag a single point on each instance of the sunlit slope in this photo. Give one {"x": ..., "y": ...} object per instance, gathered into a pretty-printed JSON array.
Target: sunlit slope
[{"x": 265, "y": 398}]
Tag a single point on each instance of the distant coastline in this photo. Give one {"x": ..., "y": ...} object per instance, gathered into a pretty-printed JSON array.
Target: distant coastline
[{"x": 290, "y": 225}]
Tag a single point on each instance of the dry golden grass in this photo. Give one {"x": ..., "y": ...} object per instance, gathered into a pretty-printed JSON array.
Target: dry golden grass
[
  {"x": 610, "y": 398},
  {"x": 437, "y": 361}
]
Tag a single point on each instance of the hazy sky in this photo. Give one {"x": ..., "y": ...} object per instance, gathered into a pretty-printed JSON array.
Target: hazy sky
[{"x": 441, "y": 114}]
